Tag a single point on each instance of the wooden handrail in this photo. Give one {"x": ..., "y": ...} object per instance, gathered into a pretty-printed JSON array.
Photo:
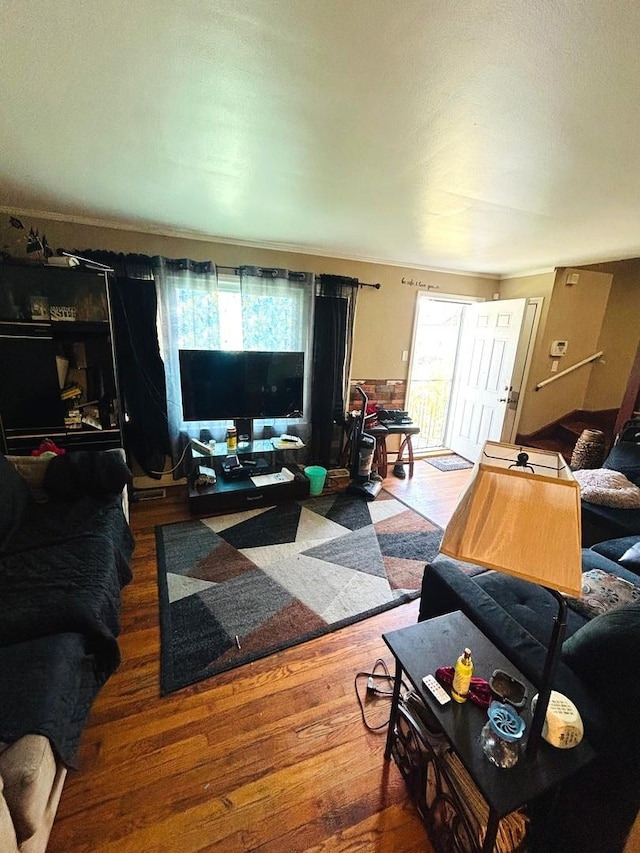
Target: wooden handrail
[{"x": 568, "y": 370}]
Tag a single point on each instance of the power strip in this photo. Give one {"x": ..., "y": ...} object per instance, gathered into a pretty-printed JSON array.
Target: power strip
[{"x": 201, "y": 447}]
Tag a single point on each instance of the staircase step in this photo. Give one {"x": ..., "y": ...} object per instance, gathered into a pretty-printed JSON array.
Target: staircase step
[
  {"x": 574, "y": 429},
  {"x": 555, "y": 445}
]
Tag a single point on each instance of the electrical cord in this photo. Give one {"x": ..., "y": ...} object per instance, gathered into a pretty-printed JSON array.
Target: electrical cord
[
  {"x": 178, "y": 463},
  {"x": 372, "y": 691}
]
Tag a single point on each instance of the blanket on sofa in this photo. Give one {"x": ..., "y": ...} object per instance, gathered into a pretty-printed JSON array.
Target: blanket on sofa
[{"x": 60, "y": 583}]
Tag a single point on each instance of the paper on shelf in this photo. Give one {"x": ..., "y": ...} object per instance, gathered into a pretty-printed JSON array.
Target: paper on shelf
[
  {"x": 284, "y": 476},
  {"x": 279, "y": 444}
]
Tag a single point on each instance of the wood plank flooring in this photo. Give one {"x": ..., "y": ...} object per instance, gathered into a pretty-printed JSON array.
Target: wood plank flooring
[{"x": 271, "y": 757}]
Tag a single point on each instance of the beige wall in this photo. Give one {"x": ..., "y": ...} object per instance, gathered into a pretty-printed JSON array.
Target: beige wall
[
  {"x": 571, "y": 312},
  {"x": 618, "y": 338},
  {"x": 384, "y": 318},
  {"x": 529, "y": 286}
]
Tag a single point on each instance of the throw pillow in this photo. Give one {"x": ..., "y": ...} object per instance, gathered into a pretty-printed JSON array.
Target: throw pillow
[
  {"x": 625, "y": 457},
  {"x": 607, "y": 488},
  {"x": 602, "y": 592},
  {"x": 86, "y": 472},
  {"x": 631, "y": 557},
  {"x": 33, "y": 469},
  {"x": 14, "y": 500}
]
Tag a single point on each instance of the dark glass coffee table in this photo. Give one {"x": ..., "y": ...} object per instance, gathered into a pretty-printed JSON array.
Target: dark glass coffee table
[{"x": 421, "y": 649}]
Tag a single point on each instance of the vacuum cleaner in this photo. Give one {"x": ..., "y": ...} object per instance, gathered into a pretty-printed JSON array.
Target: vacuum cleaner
[{"x": 363, "y": 483}]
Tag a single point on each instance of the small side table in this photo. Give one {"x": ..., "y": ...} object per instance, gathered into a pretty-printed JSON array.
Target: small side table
[
  {"x": 418, "y": 651},
  {"x": 380, "y": 433}
]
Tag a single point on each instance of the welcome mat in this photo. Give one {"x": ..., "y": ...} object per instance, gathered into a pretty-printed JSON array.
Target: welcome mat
[
  {"x": 452, "y": 462},
  {"x": 239, "y": 587}
]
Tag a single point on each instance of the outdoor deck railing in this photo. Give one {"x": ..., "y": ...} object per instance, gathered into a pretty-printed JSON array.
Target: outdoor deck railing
[{"x": 428, "y": 404}]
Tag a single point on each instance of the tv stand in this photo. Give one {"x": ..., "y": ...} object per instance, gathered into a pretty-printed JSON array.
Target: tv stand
[{"x": 234, "y": 495}]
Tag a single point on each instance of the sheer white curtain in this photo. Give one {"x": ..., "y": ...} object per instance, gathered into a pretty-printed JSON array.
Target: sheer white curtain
[
  {"x": 258, "y": 309},
  {"x": 277, "y": 315},
  {"x": 188, "y": 318}
]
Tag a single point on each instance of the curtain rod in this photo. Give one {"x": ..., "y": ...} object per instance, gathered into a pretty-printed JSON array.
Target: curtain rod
[{"x": 236, "y": 270}]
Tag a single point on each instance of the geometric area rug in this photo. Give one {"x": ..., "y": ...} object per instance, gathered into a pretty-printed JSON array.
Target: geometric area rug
[{"x": 277, "y": 576}]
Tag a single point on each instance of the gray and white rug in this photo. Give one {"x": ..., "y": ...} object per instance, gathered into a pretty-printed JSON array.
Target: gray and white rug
[{"x": 277, "y": 576}]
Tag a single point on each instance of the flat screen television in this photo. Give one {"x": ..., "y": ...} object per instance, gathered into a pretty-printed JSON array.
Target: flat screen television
[{"x": 219, "y": 385}]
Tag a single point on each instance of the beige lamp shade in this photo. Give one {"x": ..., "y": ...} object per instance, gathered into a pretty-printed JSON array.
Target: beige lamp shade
[{"x": 520, "y": 521}]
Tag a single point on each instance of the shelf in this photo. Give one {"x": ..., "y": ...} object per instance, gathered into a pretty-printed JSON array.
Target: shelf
[{"x": 234, "y": 495}]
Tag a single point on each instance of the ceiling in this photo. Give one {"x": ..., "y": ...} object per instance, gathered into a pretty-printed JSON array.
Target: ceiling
[{"x": 496, "y": 136}]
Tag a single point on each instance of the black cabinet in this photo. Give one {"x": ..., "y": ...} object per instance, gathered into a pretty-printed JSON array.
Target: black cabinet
[{"x": 58, "y": 375}]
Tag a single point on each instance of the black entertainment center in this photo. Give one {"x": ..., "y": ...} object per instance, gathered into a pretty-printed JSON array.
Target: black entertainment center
[
  {"x": 278, "y": 478},
  {"x": 240, "y": 386}
]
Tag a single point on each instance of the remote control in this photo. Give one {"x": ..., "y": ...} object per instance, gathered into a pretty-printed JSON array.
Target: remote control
[{"x": 437, "y": 690}]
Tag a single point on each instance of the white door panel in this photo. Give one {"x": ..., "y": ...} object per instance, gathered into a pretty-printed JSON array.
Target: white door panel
[{"x": 485, "y": 364}]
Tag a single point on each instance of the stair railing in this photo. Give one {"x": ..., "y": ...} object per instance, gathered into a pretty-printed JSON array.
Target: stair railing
[{"x": 573, "y": 367}]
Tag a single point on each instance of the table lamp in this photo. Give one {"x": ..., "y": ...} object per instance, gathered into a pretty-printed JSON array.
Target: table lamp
[{"x": 520, "y": 514}]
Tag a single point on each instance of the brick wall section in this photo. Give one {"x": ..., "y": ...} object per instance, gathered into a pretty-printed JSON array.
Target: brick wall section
[{"x": 389, "y": 393}]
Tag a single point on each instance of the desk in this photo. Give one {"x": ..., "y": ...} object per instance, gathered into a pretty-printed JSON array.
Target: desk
[
  {"x": 419, "y": 650},
  {"x": 380, "y": 433}
]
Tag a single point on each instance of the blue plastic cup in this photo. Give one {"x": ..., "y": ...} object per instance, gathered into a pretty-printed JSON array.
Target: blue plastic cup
[{"x": 316, "y": 475}]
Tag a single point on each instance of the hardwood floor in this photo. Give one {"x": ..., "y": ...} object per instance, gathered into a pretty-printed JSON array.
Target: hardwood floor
[{"x": 272, "y": 756}]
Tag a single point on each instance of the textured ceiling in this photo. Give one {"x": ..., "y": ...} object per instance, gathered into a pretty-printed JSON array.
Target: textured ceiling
[{"x": 488, "y": 136}]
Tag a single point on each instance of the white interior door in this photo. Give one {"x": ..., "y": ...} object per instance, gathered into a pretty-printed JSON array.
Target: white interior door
[{"x": 484, "y": 374}]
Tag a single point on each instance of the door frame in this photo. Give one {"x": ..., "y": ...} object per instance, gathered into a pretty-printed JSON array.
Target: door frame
[{"x": 524, "y": 355}]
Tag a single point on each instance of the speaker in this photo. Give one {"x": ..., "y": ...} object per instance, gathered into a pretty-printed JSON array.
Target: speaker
[{"x": 244, "y": 429}]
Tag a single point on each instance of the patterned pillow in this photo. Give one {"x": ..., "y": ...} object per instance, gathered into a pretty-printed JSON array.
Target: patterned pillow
[{"x": 602, "y": 592}]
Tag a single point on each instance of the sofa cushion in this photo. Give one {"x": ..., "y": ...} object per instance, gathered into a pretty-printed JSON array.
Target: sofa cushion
[
  {"x": 608, "y": 522},
  {"x": 604, "y": 653},
  {"x": 625, "y": 457},
  {"x": 14, "y": 500},
  {"x": 528, "y": 603},
  {"x": 613, "y": 549},
  {"x": 28, "y": 769}
]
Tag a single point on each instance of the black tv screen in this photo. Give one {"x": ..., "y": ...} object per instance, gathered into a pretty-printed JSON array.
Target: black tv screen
[{"x": 219, "y": 385}]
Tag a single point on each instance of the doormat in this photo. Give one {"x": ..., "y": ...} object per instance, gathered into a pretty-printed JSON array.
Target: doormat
[
  {"x": 449, "y": 463},
  {"x": 238, "y": 587}
]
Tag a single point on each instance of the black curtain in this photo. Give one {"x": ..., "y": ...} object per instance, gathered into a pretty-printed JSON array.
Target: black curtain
[
  {"x": 334, "y": 312},
  {"x": 141, "y": 373},
  {"x": 140, "y": 368}
]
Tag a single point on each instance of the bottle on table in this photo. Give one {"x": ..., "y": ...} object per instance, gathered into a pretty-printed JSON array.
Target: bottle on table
[
  {"x": 232, "y": 440},
  {"x": 462, "y": 673}
]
